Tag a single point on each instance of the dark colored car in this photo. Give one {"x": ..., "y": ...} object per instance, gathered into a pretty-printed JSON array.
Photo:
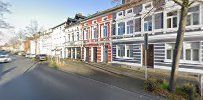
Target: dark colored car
[{"x": 41, "y": 57}]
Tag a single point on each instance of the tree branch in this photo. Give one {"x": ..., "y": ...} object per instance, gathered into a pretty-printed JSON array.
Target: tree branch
[
  {"x": 192, "y": 2},
  {"x": 178, "y": 2}
]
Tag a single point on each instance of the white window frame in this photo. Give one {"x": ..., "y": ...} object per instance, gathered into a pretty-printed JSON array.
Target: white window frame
[
  {"x": 146, "y": 4},
  {"x": 127, "y": 47},
  {"x": 129, "y": 27},
  {"x": 184, "y": 53},
  {"x": 106, "y": 30},
  {"x": 117, "y": 46},
  {"x": 93, "y": 30},
  {"x": 141, "y": 25},
  {"x": 171, "y": 17},
  {"x": 125, "y": 52},
  {"x": 126, "y": 12},
  {"x": 148, "y": 24},
  {"x": 122, "y": 14},
  {"x": 191, "y": 20},
  {"x": 105, "y": 18},
  {"x": 117, "y": 28}
]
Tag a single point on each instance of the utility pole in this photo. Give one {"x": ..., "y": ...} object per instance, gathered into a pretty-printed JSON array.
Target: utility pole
[{"x": 146, "y": 48}]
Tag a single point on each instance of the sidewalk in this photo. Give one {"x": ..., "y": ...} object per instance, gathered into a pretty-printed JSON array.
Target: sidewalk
[
  {"x": 107, "y": 77},
  {"x": 140, "y": 72},
  {"x": 121, "y": 76}
]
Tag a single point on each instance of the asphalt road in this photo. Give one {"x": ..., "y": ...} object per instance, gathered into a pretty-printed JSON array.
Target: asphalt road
[{"x": 44, "y": 83}]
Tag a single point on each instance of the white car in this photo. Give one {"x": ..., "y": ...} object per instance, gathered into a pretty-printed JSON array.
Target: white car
[
  {"x": 30, "y": 55},
  {"x": 5, "y": 59}
]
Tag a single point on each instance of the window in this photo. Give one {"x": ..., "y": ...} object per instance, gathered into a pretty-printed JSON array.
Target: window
[
  {"x": 121, "y": 50},
  {"x": 120, "y": 13},
  {"x": 130, "y": 27},
  {"x": 188, "y": 54},
  {"x": 138, "y": 25},
  {"x": 78, "y": 36},
  {"x": 148, "y": 6},
  {"x": 121, "y": 28},
  {"x": 192, "y": 51},
  {"x": 129, "y": 51},
  {"x": 169, "y": 54},
  {"x": 72, "y": 36},
  {"x": 105, "y": 31},
  {"x": 159, "y": 21},
  {"x": 85, "y": 34},
  {"x": 95, "y": 33},
  {"x": 169, "y": 51},
  {"x": 172, "y": 19},
  {"x": 105, "y": 18},
  {"x": 193, "y": 16},
  {"x": 94, "y": 22},
  {"x": 68, "y": 37},
  {"x": 148, "y": 23},
  {"x": 195, "y": 54},
  {"x": 129, "y": 11}
]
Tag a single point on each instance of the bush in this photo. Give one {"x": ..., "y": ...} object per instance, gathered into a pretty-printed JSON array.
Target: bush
[
  {"x": 160, "y": 87},
  {"x": 191, "y": 91},
  {"x": 151, "y": 85}
]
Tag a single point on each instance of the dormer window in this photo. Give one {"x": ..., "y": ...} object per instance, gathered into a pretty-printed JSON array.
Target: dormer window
[
  {"x": 148, "y": 6},
  {"x": 85, "y": 24},
  {"x": 120, "y": 13},
  {"x": 94, "y": 22},
  {"x": 129, "y": 11},
  {"x": 105, "y": 19}
]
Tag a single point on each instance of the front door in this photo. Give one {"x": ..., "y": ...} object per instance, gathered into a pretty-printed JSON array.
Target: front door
[
  {"x": 150, "y": 56},
  {"x": 95, "y": 54},
  {"x": 105, "y": 58},
  {"x": 87, "y": 54}
]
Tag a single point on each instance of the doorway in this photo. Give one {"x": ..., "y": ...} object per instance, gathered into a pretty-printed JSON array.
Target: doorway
[
  {"x": 150, "y": 56},
  {"x": 105, "y": 54},
  {"x": 87, "y": 54},
  {"x": 94, "y": 54}
]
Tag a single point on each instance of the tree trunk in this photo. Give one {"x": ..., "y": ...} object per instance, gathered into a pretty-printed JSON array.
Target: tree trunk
[{"x": 178, "y": 48}]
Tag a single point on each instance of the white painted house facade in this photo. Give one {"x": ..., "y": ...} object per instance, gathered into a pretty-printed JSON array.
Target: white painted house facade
[
  {"x": 58, "y": 40},
  {"x": 161, "y": 24}
]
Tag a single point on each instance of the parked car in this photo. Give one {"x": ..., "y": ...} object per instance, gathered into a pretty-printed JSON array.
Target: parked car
[
  {"x": 27, "y": 55},
  {"x": 5, "y": 59},
  {"x": 30, "y": 55},
  {"x": 21, "y": 53},
  {"x": 41, "y": 57}
]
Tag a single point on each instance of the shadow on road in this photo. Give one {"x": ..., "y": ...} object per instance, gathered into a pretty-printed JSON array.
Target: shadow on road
[{"x": 2, "y": 73}]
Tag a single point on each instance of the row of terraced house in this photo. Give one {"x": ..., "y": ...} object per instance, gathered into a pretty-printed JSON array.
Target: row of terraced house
[{"x": 116, "y": 35}]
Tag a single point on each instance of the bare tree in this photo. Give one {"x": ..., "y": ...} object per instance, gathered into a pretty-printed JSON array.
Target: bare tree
[
  {"x": 4, "y": 8},
  {"x": 33, "y": 28}
]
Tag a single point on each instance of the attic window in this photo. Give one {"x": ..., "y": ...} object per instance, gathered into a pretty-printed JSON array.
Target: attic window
[
  {"x": 129, "y": 11},
  {"x": 94, "y": 22},
  {"x": 120, "y": 13},
  {"x": 148, "y": 6},
  {"x": 105, "y": 18}
]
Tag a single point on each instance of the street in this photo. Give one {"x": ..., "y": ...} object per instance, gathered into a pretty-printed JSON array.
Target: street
[{"x": 44, "y": 83}]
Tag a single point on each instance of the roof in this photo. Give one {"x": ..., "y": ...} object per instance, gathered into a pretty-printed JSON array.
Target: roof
[{"x": 136, "y": 2}]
